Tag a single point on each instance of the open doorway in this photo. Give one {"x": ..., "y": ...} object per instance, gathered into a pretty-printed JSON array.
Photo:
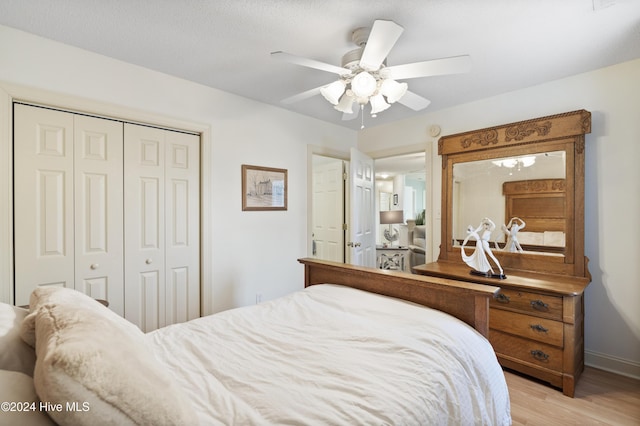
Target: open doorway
[
  {"x": 330, "y": 213},
  {"x": 401, "y": 203}
]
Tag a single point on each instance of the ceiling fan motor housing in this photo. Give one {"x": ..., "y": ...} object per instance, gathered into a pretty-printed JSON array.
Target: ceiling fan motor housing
[{"x": 359, "y": 36}]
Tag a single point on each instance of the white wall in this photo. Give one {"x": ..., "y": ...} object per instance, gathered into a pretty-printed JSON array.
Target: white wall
[
  {"x": 253, "y": 252},
  {"x": 612, "y": 181}
]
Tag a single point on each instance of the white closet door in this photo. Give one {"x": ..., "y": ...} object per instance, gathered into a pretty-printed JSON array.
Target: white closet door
[
  {"x": 43, "y": 172},
  {"x": 162, "y": 226},
  {"x": 144, "y": 201},
  {"x": 182, "y": 230},
  {"x": 99, "y": 270}
]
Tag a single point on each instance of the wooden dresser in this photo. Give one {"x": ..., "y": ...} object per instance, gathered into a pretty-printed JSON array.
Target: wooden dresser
[
  {"x": 531, "y": 170},
  {"x": 536, "y": 323}
]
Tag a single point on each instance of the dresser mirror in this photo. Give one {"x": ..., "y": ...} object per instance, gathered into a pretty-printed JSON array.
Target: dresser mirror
[
  {"x": 533, "y": 170},
  {"x": 479, "y": 186}
]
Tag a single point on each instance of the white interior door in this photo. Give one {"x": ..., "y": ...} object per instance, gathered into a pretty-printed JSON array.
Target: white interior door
[
  {"x": 68, "y": 204},
  {"x": 98, "y": 210},
  {"x": 43, "y": 176},
  {"x": 162, "y": 226},
  {"x": 328, "y": 210},
  {"x": 362, "y": 238},
  {"x": 182, "y": 230},
  {"x": 144, "y": 201}
]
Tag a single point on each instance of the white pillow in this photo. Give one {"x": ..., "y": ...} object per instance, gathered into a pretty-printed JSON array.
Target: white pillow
[
  {"x": 15, "y": 354},
  {"x": 90, "y": 355},
  {"x": 16, "y": 389},
  {"x": 554, "y": 238}
]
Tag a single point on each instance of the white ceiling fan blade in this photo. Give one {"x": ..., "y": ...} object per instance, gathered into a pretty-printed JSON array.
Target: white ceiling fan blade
[
  {"x": 413, "y": 101},
  {"x": 453, "y": 65},
  {"x": 382, "y": 38},
  {"x": 310, "y": 63},
  {"x": 302, "y": 96}
]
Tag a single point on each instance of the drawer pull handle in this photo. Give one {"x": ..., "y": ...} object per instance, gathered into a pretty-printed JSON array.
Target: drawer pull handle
[
  {"x": 502, "y": 298},
  {"x": 539, "y": 305},
  {"x": 539, "y": 355},
  {"x": 538, "y": 327}
]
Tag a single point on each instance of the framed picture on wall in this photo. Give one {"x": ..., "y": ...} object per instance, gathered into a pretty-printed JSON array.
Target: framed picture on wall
[{"x": 263, "y": 188}]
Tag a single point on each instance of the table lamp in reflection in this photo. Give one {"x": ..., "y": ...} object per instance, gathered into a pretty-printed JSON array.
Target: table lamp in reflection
[{"x": 391, "y": 217}]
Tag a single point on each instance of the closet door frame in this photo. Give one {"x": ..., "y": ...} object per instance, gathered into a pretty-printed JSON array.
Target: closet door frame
[{"x": 10, "y": 93}]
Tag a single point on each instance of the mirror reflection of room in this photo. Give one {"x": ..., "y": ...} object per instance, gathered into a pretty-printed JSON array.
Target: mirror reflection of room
[
  {"x": 400, "y": 211},
  {"x": 481, "y": 186}
]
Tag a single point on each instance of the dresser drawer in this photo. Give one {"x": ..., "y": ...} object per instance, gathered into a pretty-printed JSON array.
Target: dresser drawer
[
  {"x": 532, "y": 327},
  {"x": 529, "y": 303},
  {"x": 526, "y": 350}
]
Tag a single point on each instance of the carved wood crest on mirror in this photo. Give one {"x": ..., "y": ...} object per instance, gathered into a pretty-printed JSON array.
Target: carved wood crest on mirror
[{"x": 531, "y": 170}]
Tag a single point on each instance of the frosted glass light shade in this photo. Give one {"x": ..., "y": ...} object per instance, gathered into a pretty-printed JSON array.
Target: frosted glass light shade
[
  {"x": 393, "y": 90},
  {"x": 528, "y": 161},
  {"x": 378, "y": 104},
  {"x": 333, "y": 91},
  {"x": 345, "y": 105},
  {"x": 363, "y": 85}
]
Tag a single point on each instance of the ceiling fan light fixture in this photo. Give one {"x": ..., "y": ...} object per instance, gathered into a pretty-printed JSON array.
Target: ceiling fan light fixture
[
  {"x": 378, "y": 104},
  {"x": 365, "y": 77},
  {"x": 333, "y": 91},
  {"x": 393, "y": 90},
  {"x": 528, "y": 161},
  {"x": 346, "y": 104},
  {"x": 364, "y": 85}
]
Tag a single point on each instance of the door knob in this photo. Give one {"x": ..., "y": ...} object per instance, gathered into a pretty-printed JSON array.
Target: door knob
[
  {"x": 148, "y": 261},
  {"x": 95, "y": 266}
]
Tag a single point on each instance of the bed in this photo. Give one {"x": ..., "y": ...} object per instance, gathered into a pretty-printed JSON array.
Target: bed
[{"x": 355, "y": 346}]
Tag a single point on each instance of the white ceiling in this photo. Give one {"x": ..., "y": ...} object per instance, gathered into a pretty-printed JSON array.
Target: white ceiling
[{"x": 226, "y": 44}]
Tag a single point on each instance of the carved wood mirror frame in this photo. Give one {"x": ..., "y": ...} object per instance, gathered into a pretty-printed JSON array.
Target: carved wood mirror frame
[{"x": 562, "y": 132}]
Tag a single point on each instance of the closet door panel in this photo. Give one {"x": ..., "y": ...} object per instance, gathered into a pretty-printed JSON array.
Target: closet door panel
[
  {"x": 151, "y": 289},
  {"x": 182, "y": 227},
  {"x": 99, "y": 270},
  {"x": 43, "y": 170},
  {"x": 144, "y": 201}
]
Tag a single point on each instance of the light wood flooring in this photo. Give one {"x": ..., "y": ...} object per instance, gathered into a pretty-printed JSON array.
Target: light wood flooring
[{"x": 601, "y": 398}]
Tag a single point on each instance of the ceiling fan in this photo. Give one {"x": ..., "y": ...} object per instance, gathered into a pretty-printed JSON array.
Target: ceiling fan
[{"x": 365, "y": 78}]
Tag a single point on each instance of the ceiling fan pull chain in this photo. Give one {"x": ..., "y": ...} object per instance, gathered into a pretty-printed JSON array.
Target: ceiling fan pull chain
[{"x": 361, "y": 116}]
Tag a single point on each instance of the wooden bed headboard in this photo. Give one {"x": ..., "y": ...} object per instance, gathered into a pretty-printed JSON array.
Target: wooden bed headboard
[
  {"x": 541, "y": 203},
  {"x": 467, "y": 301}
]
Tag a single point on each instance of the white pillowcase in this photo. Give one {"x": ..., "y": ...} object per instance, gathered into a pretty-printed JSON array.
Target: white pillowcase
[
  {"x": 17, "y": 389},
  {"x": 15, "y": 354},
  {"x": 89, "y": 355}
]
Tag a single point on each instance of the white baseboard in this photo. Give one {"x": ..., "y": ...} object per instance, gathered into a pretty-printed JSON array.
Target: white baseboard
[{"x": 613, "y": 364}]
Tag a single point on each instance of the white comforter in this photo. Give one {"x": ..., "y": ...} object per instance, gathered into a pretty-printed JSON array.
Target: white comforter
[{"x": 332, "y": 355}]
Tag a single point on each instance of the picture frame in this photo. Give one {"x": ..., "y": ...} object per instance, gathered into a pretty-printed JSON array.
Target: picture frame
[{"x": 264, "y": 188}]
